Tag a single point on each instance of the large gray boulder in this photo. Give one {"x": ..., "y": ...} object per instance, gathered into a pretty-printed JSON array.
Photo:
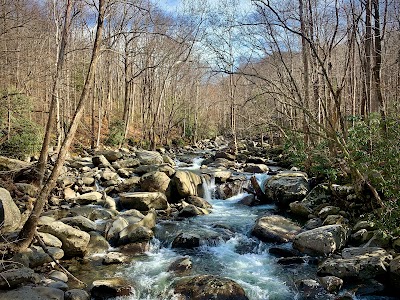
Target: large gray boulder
[
  {"x": 149, "y": 157},
  {"x": 322, "y": 240},
  {"x": 184, "y": 184},
  {"x": 287, "y": 187},
  {"x": 363, "y": 263},
  {"x": 110, "y": 155},
  {"x": 275, "y": 229},
  {"x": 10, "y": 216},
  {"x": 81, "y": 222},
  {"x": 88, "y": 198},
  {"x": 12, "y": 278},
  {"x": 144, "y": 201},
  {"x": 154, "y": 182},
  {"x": 110, "y": 288},
  {"x": 114, "y": 228},
  {"x": 33, "y": 293},
  {"x": 203, "y": 287},
  {"x": 74, "y": 241},
  {"x": 8, "y": 164},
  {"x": 35, "y": 256}
]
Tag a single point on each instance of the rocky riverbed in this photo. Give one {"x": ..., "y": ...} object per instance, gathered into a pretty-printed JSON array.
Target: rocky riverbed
[{"x": 184, "y": 224}]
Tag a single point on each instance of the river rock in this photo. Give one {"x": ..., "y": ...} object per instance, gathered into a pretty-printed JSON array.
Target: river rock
[
  {"x": 332, "y": 284},
  {"x": 256, "y": 168},
  {"x": 198, "y": 201},
  {"x": 74, "y": 241},
  {"x": 88, "y": 198},
  {"x": 115, "y": 258},
  {"x": 210, "y": 287},
  {"x": 328, "y": 210},
  {"x": 81, "y": 222},
  {"x": 154, "y": 182},
  {"x": 108, "y": 175},
  {"x": 110, "y": 155},
  {"x": 379, "y": 239},
  {"x": 184, "y": 184},
  {"x": 149, "y": 157},
  {"x": 186, "y": 240},
  {"x": 287, "y": 187},
  {"x": 229, "y": 189},
  {"x": 35, "y": 256},
  {"x": 335, "y": 219},
  {"x": 190, "y": 210},
  {"x": 50, "y": 240},
  {"x": 221, "y": 176},
  {"x": 129, "y": 184},
  {"x": 367, "y": 225},
  {"x": 110, "y": 288},
  {"x": 144, "y": 201},
  {"x": 97, "y": 244},
  {"x": 10, "y": 216},
  {"x": 12, "y": 278},
  {"x": 310, "y": 289},
  {"x": 181, "y": 265},
  {"x": 134, "y": 249},
  {"x": 276, "y": 229},
  {"x": 226, "y": 155},
  {"x": 114, "y": 228},
  {"x": 33, "y": 293},
  {"x": 364, "y": 263},
  {"x": 319, "y": 195},
  {"x": 129, "y": 163},
  {"x": 135, "y": 233},
  {"x": 321, "y": 241},
  {"x": 101, "y": 161},
  {"x": 27, "y": 189},
  {"x": 76, "y": 294},
  {"x": 9, "y": 164}
]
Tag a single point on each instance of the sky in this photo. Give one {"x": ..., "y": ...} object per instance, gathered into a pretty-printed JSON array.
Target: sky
[{"x": 175, "y": 5}]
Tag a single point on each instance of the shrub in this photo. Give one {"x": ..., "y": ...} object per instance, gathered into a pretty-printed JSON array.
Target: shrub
[{"x": 116, "y": 133}]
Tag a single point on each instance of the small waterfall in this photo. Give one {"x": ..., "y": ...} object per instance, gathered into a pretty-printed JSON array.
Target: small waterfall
[
  {"x": 208, "y": 188},
  {"x": 261, "y": 178}
]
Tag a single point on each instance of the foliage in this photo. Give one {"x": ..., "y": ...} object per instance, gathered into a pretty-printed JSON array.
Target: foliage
[
  {"x": 377, "y": 155},
  {"x": 25, "y": 135},
  {"x": 374, "y": 152},
  {"x": 116, "y": 134}
]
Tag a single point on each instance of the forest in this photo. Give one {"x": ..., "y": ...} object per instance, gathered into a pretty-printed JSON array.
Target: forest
[
  {"x": 223, "y": 129},
  {"x": 320, "y": 78}
]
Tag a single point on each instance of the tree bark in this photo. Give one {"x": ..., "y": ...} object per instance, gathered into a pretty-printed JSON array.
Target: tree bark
[
  {"x": 54, "y": 100},
  {"x": 27, "y": 233}
]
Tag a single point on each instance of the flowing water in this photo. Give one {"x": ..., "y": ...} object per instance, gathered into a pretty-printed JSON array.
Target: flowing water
[{"x": 227, "y": 249}]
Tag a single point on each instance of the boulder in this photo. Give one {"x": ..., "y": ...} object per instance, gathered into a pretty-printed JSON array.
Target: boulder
[
  {"x": 81, "y": 222},
  {"x": 183, "y": 184},
  {"x": 190, "y": 210},
  {"x": 154, "y": 182},
  {"x": 76, "y": 294},
  {"x": 322, "y": 240},
  {"x": 128, "y": 163},
  {"x": 97, "y": 244},
  {"x": 210, "y": 287},
  {"x": 50, "y": 240},
  {"x": 181, "y": 265},
  {"x": 135, "y": 233},
  {"x": 101, "y": 160},
  {"x": 229, "y": 189},
  {"x": 144, "y": 201},
  {"x": 115, "y": 258},
  {"x": 328, "y": 210},
  {"x": 110, "y": 155},
  {"x": 27, "y": 189},
  {"x": 114, "y": 228},
  {"x": 300, "y": 209},
  {"x": 221, "y": 176},
  {"x": 9, "y": 164},
  {"x": 12, "y": 278},
  {"x": 332, "y": 284},
  {"x": 198, "y": 201},
  {"x": 88, "y": 198},
  {"x": 33, "y": 293},
  {"x": 186, "y": 241},
  {"x": 287, "y": 187},
  {"x": 74, "y": 240},
  {"x": 275, "y": 229},
  {"x": 110, "y": 288},
  {"x": 363, "y": 263},
  {"x": 319, "y": 195},
  {"x": 226, "y": 155},
  {"x": 256, "y": 168},
  {"x": 35, "y": 256},
  {"x": 129, "y": 184},
  {"x": 10, "y": 216},
  {"x": 149, "y": 157},
  {"x": 108, "y": 175},
  {"x": 310, "y": 289}
]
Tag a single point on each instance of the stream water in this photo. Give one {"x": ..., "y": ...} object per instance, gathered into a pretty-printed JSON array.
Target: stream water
[{"x": 227, "y": 249}]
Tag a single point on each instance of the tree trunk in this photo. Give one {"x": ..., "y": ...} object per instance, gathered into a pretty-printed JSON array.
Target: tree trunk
[
  {"x": 28, "y": 231},
  {"x": 54, "y": 101}
]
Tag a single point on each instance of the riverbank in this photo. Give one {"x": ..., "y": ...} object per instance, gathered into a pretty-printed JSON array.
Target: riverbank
[{"x": 144, "y": 224}]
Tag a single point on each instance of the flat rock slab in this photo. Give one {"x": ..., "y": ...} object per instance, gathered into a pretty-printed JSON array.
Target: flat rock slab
[
  {"x": 363, "y": 263},
  {"x": 275, "y": 229},
  {"x": 144, "y": 201}
]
